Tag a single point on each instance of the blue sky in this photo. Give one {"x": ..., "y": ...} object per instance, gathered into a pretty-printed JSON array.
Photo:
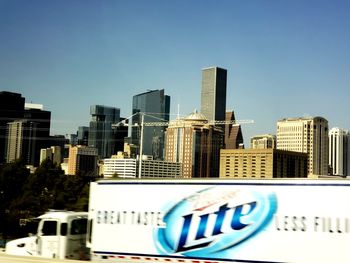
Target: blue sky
[{"x": 285, "y": 58}]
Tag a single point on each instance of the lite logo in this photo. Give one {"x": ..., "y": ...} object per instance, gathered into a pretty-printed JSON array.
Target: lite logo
[{"x": 213, "y": 221}]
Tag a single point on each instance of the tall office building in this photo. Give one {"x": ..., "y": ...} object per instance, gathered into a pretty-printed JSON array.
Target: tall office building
[
  {"x": 339, "y": 152},
  {"x": 307, "y": 135},
  {"x": 155, "y": 106},
  {"x": 101, "y": 134},
  {"x": 233, "y": 133},
  {"x": 83, "y": 135},
  {"x": 213, "y": 94},
  {"x": 195, "y": 144},
  {"x": 11, "y": 109},
  {"x": 35, "y": 113},
  {"x": 21, "y": 141}
]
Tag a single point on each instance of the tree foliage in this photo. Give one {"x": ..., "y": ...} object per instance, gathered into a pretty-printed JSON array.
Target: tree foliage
[{"x": 25, "y": 195}]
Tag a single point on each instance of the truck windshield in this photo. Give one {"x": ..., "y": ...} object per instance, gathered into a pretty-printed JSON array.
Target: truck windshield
[
  {"x": 78, "y": 226},
  {"x": 49, "y": 228}
]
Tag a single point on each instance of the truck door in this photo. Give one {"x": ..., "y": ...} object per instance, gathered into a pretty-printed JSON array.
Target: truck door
[{"x": 48, "y": 238}]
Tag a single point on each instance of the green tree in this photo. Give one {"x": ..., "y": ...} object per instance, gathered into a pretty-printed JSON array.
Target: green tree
[
  {"x": 27, "y": 195},
  {"x": 12, "y": 177}
]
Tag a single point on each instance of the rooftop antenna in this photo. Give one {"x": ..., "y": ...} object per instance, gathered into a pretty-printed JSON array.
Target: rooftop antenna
[{"x": 178, "y": 111}]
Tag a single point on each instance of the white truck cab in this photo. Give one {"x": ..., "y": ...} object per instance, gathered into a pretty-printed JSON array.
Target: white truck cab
[{"x": 60, "y": 234}]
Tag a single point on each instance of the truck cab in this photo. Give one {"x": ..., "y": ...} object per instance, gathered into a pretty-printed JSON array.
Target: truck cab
[{"x": 60, "y": 234}]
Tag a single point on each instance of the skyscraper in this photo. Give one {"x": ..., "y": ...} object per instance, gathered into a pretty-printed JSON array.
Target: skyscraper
[
  {"x": 83, "y": 135},
  {"x": 233, "y": 133},
  {"x": 101, "y": 134},
  {"x": 11, "y": 109},
  {"x": 213, "y": 95},
  {"x": 21, "y": 141},
  {"x": 35, "y": 113},
  {"x": 155, "y": 106},
  {"x": 339, "y": 151},
  {"x": 307, "y": 135},
  {"x": 195, "y": 144}
]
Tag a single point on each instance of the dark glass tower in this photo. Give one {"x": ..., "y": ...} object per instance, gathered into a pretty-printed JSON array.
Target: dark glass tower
[
  {"x": 156, "y": 107},
  {"x": 101, "y": 134},
  {"x": 11, "y": 109},
  {"x": 213, "y": 95},
  {"x": 42, "y": 120}
]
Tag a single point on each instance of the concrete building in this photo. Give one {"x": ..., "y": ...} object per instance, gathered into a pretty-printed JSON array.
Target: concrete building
[
  {"x": 101, "y": 134},
  {"x": 121, "y": 167},
  {"x": 83, "y": 159},
  {"x": 53, "y": 153},
  {"x": 265, "y": 141},
  {"x": 339, "y": 152},
  {"x": 307, "y": 135},
  {"x": 21, "y": 141},
  {"x": 262, "y": 164},
  {"x": 195, "y": 144},
  {"x": 11, "y": 109},
  {"x": 233, "y": 133},
  {"x": 213, "y": 93},
  {"x": 155, "y": 106}
]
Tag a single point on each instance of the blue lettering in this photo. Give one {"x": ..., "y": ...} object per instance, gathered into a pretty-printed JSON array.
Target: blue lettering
[
  {"x": 220, "y": 214},
  {"x": 236, "y": 223}
]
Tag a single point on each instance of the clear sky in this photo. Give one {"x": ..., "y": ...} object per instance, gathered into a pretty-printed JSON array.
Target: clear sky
[{"x": 285, "y": 58}]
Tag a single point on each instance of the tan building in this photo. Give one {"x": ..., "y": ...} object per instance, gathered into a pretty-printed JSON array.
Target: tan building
[
  {"x": 262, "y": 163},
  {"x": 53, "y": 153},
  {"x": 195, "y": 144},
  {"x": 306, "y": 135},
  {"x": 82, "y": 159},
  {"x": 265, "y": 141}
]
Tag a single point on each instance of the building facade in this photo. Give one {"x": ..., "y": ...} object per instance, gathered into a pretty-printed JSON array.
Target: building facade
[
  {"x": 53, "y": 153},
  {"x": 233, "y": 133},
  {"x": 101, "y": 134},
  {"x": 83, "y": 135},
  {"x": 307, "y": 135},
  {"x": 36, "y": 114},
  {"x": 265, "y": 141},
  {"x": 11, "y": 109},
  {"x": 213, "y": 93},
  {"x": 155, "y": 107},
  {"x": 262, "y": 164},
  {"x": 21, "y": 141},
  {"x": 339, "y": 152},
  {"x": 195, "y": 144},
  {"x": 83, "y": 160},
  {"x": 129, "y": 168}
]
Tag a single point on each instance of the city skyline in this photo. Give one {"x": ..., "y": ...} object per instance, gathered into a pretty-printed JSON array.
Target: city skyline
[{"x": 283, "y": 60}]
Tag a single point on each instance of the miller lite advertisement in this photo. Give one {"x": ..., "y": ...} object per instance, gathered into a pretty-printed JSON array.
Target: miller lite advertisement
[{"x": 223, "y": 220}]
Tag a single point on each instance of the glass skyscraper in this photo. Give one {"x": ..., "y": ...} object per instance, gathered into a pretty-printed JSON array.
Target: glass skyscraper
[
  {"x": 11, "y": 109},
  {"x": 156, "y": 108},
  {"x": 213, "y": 95},
  {"x": 101, "y": 134}
]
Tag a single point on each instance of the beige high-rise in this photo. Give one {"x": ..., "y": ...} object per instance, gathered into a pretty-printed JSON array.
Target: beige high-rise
[
  {"x": 195, "y": 144},
  {"x": 308, "y": 135}
]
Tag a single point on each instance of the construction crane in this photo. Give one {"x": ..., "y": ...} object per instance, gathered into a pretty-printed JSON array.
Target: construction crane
[{"x": 179, "y": 121}]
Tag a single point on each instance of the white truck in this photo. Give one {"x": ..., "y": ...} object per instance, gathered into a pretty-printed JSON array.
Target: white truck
[
  {"x": 212, "y": 221},
  {"x": 60, "y": 234}
]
